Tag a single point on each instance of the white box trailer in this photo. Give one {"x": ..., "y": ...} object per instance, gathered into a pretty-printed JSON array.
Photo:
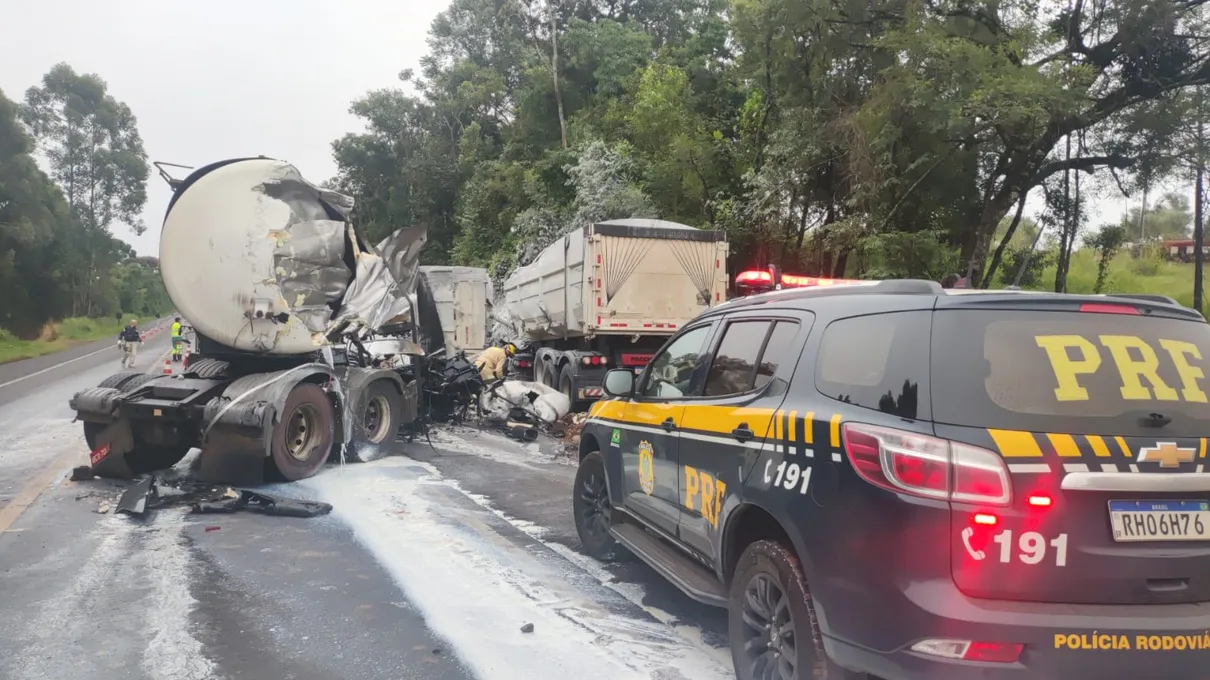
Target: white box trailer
[
  {"x": 611, "y": 294},
  {"x": 463, "y": 296}
]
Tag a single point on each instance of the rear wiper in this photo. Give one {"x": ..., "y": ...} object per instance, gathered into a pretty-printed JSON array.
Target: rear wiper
[{"x": 1154, "y": 420}]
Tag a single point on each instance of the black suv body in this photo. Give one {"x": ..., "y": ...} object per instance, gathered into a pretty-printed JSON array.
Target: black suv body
[{"x": 903, "y": 482}]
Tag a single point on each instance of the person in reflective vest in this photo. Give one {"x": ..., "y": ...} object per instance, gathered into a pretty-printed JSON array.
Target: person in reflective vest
[
  {"x": 177, "y": 341},
  {"x": 492, "y": 361}
]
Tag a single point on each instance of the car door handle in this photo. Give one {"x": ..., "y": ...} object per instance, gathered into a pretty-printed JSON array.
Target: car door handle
[
  {"x": 669, "y": 424},
  {"x": 742, "y": 433}
]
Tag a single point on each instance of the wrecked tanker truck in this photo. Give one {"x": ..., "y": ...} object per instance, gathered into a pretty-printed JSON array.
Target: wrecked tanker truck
[{"x": 309, "y": 340}]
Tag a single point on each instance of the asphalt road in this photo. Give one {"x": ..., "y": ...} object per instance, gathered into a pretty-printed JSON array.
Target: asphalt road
[{"x": 429, "y": 567}]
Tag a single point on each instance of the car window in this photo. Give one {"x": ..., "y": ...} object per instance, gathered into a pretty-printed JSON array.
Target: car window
[
  {"x": 733, "y": 368},
  {"x": 777, "y": 351},
  {"x": 878, "y": 362},
  {"x": 1076, "y": 373},
  {"x": 670, "y": 372}
]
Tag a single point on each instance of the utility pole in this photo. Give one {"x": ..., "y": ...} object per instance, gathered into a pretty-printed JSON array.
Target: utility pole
[{"x": 1198, "y": 217}]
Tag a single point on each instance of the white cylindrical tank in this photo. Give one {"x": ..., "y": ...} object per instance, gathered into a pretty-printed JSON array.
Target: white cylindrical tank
[{"x": 253, "y": 256}]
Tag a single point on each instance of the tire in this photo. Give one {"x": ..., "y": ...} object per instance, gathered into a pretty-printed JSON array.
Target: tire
[
  {"x": 376, "y": 419},
  {"x": 593, "y": 511},
  {"x": 207, "y": 368},
  {"x": 566, "y": 385},
  {"x": 772, "y": 569},
  {"x": 117, "y": 380},
  {"x": 138, "y": 381},
  {"x": 302, "y": 438}
]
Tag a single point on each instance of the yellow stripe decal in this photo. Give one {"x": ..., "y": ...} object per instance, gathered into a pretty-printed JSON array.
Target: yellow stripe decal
[
  {"x": 1016, "y": 444},
  {"x": 836, "y": 430},
  {"x": 791, "y": 433},
  {"x": 808, "y": 423},
  {"x": 1122, "y": 445},
  {"x": 1065, "y": 445},
  {"x": 1098, "y": 446},
  {"x": 1201, "y": 453}
]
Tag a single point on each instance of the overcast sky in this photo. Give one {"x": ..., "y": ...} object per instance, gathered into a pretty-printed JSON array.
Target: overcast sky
[{"x": 219, "y": 79}]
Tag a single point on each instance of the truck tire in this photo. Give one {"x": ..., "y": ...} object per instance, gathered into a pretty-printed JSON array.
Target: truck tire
[
  {"x": 566, "y": 386},
  {"x": 302, "y": 439},
  {"x": 593, "y": 510},
  {"x": 769, "y": 592},
  {"x": 117, "y": 380},
  {"x": 207, "y": 368},
  {"x": 375, "y": 423}
]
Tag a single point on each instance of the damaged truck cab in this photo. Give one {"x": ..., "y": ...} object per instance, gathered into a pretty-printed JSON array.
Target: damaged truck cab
[{"x": 307, "y": 345}]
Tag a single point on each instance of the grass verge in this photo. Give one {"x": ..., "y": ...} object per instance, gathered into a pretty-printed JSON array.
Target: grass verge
[
  {"x": 58, "y": 336},
  {"x": 1127, "y": 274}
]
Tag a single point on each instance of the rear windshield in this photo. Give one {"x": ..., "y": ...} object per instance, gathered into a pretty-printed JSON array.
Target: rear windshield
[{"x": 1071, "y": 372}]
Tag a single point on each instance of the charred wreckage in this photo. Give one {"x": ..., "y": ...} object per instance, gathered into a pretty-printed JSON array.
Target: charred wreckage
[{"x": 311, "y": 343}]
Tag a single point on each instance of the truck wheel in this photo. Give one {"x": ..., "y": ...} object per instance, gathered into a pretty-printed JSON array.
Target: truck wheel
[
  {"x": 302, "y": 438},
  {"x": 118, "y": 379},
  {"x": 566, "y": 386},
  {"x": 593, "y": 510},
  {"x": 376, "y": 423},
  {"x": 771, "y": 619}
]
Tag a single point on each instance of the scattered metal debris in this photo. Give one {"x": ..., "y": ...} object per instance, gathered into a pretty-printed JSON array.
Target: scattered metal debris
[
  {"x": 527, "y": 628},
  {"x": 150, "y": 493}
]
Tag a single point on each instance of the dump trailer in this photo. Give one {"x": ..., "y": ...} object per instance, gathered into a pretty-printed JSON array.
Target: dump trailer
[
  {"x": 307, "y": 337},
  {"x": 609, "y": 295},
  {"x": 463, "y": 298}
]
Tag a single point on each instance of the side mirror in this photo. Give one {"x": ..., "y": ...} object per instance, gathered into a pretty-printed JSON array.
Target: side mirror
[{"x": 619, "y": 382}]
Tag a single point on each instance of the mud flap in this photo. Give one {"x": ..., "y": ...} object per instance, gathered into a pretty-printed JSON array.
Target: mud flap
[
  {"x": 113, "y": 444},
  {"x": 235, "y": 449}
]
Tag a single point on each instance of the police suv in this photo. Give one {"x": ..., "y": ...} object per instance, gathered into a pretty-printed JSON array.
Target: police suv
[{"x": 903, "y": 482}]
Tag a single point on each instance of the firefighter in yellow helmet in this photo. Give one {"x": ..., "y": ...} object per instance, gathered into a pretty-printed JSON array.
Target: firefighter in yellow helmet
[{"x": 492, "y": 361}]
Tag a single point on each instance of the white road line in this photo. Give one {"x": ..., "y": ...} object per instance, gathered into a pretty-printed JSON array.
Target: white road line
[{"x": 14, "y": 381}]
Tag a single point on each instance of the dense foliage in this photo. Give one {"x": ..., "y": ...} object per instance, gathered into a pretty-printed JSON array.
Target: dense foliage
[
  {"x": 873, "y": 138},
  {"x": 58, "y": 257}
]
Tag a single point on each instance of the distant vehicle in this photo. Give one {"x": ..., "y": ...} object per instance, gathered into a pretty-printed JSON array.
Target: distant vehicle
[
  {"x": 609, "y": 295},
  {"x": 900, "y": 481},
  {"x": 1182, "y": 250},
  {"x": 304, "y": 336}
]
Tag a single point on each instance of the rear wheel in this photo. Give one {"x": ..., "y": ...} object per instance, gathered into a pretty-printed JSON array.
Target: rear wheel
[
  {"x": 376, "y": 421},
  {"x": 593, "y": 510},
  {"x": 302, "y": 438},
  {"x": 771, "y": 620},
  {"x": 117, "y": 380},
  {"x": 566, "y": 386}
]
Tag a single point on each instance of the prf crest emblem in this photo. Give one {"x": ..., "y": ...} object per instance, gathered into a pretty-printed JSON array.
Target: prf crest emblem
[{"x": 646, "y": 467}]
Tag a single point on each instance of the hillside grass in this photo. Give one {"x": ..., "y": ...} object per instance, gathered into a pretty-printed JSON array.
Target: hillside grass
[
  {"x": 1128, "y": 275},
  {"x": 58, "y": 336}
]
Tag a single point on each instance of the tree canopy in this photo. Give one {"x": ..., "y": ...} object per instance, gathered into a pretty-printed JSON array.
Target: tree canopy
[
  {"x": 886, "y": 138},
  {"x": 58, "y": 256}
]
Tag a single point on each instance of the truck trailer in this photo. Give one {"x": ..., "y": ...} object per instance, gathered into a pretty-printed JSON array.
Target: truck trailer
[
  {"x": 308, "y": 338},
  {"x": 463, "y": 296},
  {"x": 610, "y": 295}
]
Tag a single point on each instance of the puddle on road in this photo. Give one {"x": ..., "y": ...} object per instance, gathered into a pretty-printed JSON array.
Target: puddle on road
[{"x": 477, "y": 588}]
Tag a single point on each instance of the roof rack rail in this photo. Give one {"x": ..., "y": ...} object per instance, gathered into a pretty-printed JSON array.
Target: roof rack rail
[
  {"x": 1147, "y": 297},
  {"x": 919, "y": 286}
]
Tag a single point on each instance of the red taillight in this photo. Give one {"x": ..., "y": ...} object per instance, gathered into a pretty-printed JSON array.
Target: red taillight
[
  {"x": 921, "y": 465},
  {"x": 522, "y": 364},
  {"x": 1100, "y": 308},
  {"x": 1040, "y": 501},
  {"x": 971, "y": 650},
  {"x": 985, "y": 519}
]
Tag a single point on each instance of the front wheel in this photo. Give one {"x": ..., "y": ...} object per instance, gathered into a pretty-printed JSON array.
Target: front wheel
[
  {"x": 593, "y": 509},
  {"x": 771, "y": 620},
  {"x": 302, "y": 439}
]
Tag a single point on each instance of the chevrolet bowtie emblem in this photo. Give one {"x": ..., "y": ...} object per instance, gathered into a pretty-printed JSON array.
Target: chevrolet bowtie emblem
[{"x": 1167, "y": 454}]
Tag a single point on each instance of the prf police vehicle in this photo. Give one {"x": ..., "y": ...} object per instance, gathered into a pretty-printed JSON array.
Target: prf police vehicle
[{"x": 903, "y": 482}]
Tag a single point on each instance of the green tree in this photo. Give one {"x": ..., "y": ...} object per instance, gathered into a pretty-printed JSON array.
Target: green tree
[
  {"x": 96, "y": 156},
  {"x": 1107, "y": 242}
]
